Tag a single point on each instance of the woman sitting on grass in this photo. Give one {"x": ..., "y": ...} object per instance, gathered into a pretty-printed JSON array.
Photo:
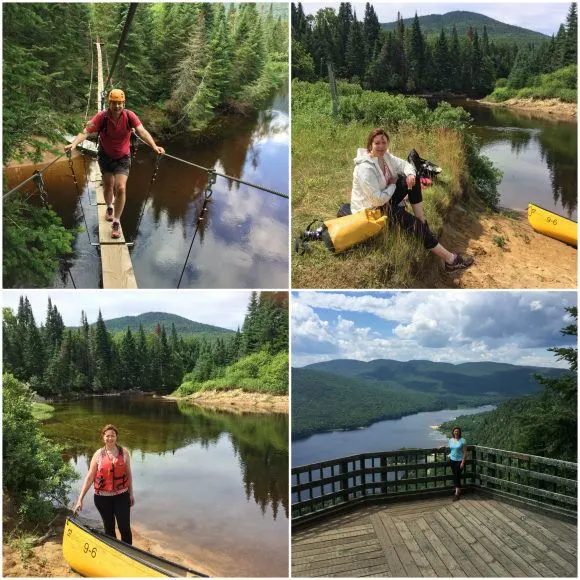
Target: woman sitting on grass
[{"x": 383, "y": 180}]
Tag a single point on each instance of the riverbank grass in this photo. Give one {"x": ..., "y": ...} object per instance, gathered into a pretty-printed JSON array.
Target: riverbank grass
[
  {"x": 260, "y": 372},
  {"x": 323, "y": 150},
  {"x": 42, "y": 411}
]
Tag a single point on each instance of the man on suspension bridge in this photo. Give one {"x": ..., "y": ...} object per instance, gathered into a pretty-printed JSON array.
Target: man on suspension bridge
[{"x": 113, "y": 127}]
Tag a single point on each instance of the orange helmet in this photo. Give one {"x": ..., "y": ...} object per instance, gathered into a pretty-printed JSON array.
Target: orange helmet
[{"x": 117, "y": 95}]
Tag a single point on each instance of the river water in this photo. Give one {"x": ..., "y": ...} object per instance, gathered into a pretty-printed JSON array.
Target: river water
[
  {"x": 413, "y": 431},
  {"x": 538, "y": 156},
  {"x": 242, "y": 242},
  {"x": 210, "y": 485}
]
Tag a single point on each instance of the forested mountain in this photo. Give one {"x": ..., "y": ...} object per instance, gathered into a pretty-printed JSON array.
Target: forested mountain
[
  {"x": 545, "y": 424},
  {"x": 182, "y": 63},
  {"x": 348, "y": 394},
  {"x": 409, "y": 58},
  {"x": 463, "y": 20},
  {"x": 150, "y": 320},
  {"x": 60, "y": 363}
]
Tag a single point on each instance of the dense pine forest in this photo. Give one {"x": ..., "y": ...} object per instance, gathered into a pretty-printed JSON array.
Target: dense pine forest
[
  {"x": 60, "y": 363},
  {"x": 406, "y": 60},
  {"x": 545, "y": 424},
  {"x": 324, "y": 393},
  {"x": 182, "y": 65}
]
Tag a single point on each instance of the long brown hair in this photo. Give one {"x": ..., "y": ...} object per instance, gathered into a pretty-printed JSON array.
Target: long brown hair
[{"x": 109, "y": 428}]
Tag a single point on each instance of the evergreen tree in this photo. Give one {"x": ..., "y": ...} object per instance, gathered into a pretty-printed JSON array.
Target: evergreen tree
[
  {"x": 571, "y": 44},
  {"x": 355, "y": 52},
  {"x": 371, "y": 29},
  {"x": 415, "y": 57},
  {"x": 441, "y": 62},
  {"x": 104, "y": 371},
  {"x": 345, "y": 20}
]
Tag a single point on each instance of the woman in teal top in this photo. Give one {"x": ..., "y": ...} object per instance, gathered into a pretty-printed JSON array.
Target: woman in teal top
[{"x": 457, "y": 457}]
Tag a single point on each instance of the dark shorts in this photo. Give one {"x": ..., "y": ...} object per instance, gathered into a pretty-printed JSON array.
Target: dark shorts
[{"x": 108, "y": 165}]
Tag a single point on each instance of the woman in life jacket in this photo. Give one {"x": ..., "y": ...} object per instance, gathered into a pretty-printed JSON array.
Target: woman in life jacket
[
  {"x": 382, "y": 180},
  {"x": 110, "y": 475}
]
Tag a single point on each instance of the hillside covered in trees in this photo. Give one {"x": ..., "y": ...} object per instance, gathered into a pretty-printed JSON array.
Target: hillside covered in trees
[
  {"x": 182, "y": 65},
  {"x": 60, "y": 363},
  {"x": 349, "y": 394},
  {"x": 544, "y": 424},
  {"x": 454, "y": 53}
]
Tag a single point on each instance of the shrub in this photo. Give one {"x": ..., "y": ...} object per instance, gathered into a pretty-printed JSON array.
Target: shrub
[{"x": 35, "y": 476}]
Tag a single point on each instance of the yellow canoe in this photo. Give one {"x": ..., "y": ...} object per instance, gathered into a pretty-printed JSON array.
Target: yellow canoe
[
  {"x": 91, "y": 553},
  {"x": 553, "y": 225}
]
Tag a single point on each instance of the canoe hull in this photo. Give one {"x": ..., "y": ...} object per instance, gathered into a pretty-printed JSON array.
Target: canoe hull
[
  {"x": 553, "y": 225},
  {"x": 95, "y": 555}
]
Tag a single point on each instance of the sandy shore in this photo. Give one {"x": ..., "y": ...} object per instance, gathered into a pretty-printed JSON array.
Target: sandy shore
[
  {"x": 238, "y": 401},
  {"x": 547, "y": 108},
  {"x": 526, "y": 260}
]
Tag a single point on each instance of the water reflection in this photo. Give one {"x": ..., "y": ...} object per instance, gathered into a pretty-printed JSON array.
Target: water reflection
[
  {"x": 242, "y": 241},
  {"x": 547, "y": 149},
  {"x": 219, "y": 478}
]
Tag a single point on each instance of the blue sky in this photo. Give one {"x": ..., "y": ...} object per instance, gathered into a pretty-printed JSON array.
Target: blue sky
[
  {"x": 455, "y": 327},
  {"x": 224, "y": 308},
  {"x": 544, "y": 17}
]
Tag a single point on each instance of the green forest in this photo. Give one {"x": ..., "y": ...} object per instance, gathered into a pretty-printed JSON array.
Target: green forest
[
  {"x": 60, "y": 363},
  {"x": 407, "y": 60},
  {"x": 544, "y": 424},
  {"x": 349, "y": 394},
  {"x": 182, "y": 65}
]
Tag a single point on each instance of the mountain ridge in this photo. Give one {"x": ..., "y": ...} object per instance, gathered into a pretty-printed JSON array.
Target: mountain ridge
[{"x": 462, "y": 19}]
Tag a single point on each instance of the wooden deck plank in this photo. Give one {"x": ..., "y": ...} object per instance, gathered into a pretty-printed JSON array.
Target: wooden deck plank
[
  {"x": 459, "y": 548},
  {"x": 403, "y": 553},
  {"x": 488, "y": 540},
  {"x": 502, "y": 540},
  {"x": 396, "y": 568},
  {"x": 337, "y": 552},
  {"x": 427, "y": 549},
  {"x": 415, "y": 550},
  {"x": 477, "y": 536},
  {"x": 563, "y": 561},
  {"x": 440, "y": 548},
  {"x": 525, "y": 555}
]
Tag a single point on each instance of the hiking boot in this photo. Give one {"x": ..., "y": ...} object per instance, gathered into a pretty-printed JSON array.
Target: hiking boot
[
  {"x": 116, "y": 231},
  {"x": 460, "y": 263},
  {"x": 455, "y": 498},
  {"x": 109, "y": 214}
]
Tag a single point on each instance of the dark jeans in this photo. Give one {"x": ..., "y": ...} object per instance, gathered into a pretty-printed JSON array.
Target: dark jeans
[
  {"x": 407, "y": 222},
  {"x": 456, "y": 468},
  {"x": 117, "y": 507},
  {"x": 110, "y": 165}
]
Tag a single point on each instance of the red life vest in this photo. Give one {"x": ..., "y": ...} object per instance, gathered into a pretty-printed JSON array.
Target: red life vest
[{"x": 111, "y": 476}]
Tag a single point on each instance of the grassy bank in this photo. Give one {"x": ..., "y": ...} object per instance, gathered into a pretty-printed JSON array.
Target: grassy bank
[
  {"x": 260, "y": 372},
  {"x": 561, "y": 84},
  {"x": 323, "y": 148}
]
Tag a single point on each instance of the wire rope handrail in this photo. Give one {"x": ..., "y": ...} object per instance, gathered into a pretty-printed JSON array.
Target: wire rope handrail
[
  {"x": 32, "y": 176},
  {"x": 208, "y": 169}
]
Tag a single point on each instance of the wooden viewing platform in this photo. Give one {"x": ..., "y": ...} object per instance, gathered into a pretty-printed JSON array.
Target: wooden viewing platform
[{"x": 391, "y": 514}]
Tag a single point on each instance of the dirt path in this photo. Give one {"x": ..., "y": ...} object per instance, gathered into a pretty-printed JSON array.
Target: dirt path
[
  {"x": 526, "y": 260},
  {"x": 238, "y": 401}
]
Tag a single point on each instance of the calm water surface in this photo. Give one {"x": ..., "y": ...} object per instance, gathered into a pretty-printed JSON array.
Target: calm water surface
[
  {"x": 410, "y": 431},
  {"x": 212, "y": 486},
  {"x": 538, "y": 157},
  {"x": 242, "y": 241}
]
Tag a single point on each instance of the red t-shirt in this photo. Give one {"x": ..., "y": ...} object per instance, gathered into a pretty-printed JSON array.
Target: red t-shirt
[{"x": 116, "y": 139}]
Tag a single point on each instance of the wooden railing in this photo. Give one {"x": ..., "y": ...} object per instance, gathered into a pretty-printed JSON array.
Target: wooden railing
[{"x": 330, "y": 485}]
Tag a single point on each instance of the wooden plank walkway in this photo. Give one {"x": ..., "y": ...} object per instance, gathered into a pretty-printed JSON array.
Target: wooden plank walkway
[
  {"x": 116, "y": 263},
  {"x": 475, "y": 537}
]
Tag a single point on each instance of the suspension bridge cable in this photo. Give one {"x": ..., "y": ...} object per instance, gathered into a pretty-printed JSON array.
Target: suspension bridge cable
[
  {"x": 32, "y": 176},
  {"x": 130, "y": 14},
  {"x": 266, "y": 189}
]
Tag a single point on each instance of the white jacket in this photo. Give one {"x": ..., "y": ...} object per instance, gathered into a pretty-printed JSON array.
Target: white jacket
[{"x": 369, "y": 186}]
